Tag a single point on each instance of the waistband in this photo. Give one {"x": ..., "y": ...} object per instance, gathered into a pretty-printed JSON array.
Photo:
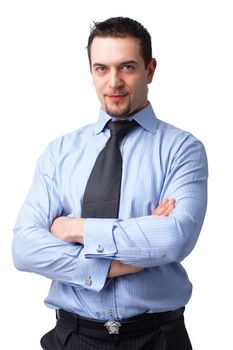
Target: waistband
[{"x": 137, "y": 323}]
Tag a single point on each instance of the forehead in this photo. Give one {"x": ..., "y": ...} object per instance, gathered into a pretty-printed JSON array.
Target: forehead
[{"x": 110, "y": 49}]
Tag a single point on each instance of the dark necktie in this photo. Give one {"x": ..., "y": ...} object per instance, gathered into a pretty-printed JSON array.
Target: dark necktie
[{"x": 102, "y": 194}]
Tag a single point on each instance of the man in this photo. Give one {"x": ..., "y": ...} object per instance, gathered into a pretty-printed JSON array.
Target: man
[{"x": 114, "y": 260}]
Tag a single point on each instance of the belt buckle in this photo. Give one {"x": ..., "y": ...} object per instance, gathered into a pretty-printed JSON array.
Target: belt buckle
[{"x": 112, "y": 327}]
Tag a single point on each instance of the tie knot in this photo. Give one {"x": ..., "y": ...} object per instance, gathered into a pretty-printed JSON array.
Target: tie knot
[{"x": 120, "y": 129}]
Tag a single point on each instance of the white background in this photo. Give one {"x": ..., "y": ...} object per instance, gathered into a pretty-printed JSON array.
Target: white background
[{"x": 46, "y": 90}]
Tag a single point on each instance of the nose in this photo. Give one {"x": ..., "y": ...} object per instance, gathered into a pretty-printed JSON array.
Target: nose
[{"x": 115, "y": 80}]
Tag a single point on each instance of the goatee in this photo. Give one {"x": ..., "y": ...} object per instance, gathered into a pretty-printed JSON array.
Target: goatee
[{"x": 118, "y": 113}]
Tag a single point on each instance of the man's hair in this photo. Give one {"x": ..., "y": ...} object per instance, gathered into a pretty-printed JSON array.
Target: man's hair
[{"x": 122, "y": 27}]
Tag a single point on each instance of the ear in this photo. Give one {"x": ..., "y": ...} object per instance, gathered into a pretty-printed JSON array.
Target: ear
[{"x": 150, "y": 70}]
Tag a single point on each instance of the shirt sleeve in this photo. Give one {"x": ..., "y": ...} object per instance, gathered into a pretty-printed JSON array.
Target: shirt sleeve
[
  {"x": 156, "y": 240},
  {"x": 36, "y": 250}
]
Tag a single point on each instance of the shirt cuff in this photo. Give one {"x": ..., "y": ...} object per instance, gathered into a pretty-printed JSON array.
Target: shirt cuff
[
  {"x": 98, "y": 238},
  {"x": 91, "y": 273}
]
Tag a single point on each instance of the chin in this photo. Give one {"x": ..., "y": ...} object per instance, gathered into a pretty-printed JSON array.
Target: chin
[{"x": 119, "y": 113}]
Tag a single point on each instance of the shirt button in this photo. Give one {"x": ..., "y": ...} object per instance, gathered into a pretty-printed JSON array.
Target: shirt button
[
  {"x": 100, "y": 249},
  {"x": 110, "y": 312},
  {"x": 88, "y": 281}
]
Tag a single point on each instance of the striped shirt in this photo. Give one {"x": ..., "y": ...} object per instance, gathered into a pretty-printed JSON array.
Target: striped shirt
[{"x": 159, "y": 161}]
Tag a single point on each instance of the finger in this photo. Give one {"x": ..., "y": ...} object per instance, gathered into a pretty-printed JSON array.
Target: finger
[
  {"x": 167, "y": 203},
  {"x": 164, "y": 207},
  {"x": 134, "y": 269},
  {"x": 168, "y": 211},
  {"x": 164, "y": 202},
  {"x": 158, "y": 211}
]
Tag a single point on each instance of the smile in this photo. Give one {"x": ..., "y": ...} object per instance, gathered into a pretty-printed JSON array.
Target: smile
[{"x": 116, "y": 97}]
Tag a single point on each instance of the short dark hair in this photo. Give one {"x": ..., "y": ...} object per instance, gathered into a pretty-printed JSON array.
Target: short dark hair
[{"x": 121, "y": 27}]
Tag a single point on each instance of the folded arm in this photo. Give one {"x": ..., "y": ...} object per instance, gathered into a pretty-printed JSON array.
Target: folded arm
[
  {"x": 71, "y": 230},
  {"x": 37, "y": 250},
  {"x": 151, "y": 241},
  {"x": 143, "y": 241}
]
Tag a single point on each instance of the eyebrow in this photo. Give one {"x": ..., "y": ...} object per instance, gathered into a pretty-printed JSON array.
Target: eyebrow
[
  {"x": 121, "y": 64},
  {"x": 128, "y": 62}
]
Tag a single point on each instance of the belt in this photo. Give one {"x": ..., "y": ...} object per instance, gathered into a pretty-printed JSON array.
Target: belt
[{"x": 137, "y": 323}]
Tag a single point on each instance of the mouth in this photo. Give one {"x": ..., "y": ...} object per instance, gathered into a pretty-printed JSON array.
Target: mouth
[{"x": 116, "y": 97}]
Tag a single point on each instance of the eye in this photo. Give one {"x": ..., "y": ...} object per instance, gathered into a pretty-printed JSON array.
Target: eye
[
  {"x": 100, "y": 69},
  {"x": 127, "y": 68}
]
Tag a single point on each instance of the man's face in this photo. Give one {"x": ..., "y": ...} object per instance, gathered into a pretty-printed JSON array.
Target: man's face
[{"x": 119, "y": 75}]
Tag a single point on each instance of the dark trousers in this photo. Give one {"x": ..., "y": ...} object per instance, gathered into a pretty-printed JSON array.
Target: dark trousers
[{"x": 169, "y": 336}]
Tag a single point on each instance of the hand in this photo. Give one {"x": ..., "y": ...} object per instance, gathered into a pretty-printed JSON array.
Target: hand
[
  {"x": 117, "y": 269},
  {"x": 164, "y": 208},
  {"x": 68, "y": 229}
]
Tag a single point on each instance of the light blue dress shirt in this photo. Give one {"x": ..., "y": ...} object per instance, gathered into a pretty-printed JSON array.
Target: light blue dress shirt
[{"x": 159, "y": 161}]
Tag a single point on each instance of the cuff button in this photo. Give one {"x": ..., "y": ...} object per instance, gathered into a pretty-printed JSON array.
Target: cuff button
[
  {"x": 88, "y": 281},
  {"x": 100, "y": 249}
]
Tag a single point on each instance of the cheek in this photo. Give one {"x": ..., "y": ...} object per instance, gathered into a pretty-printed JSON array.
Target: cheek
[
  {"x": 140, "y": 89},
  {"x": 98, "y": 88}
]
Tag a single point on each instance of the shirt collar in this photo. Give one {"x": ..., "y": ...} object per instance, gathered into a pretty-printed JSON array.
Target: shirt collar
[{"x": 146, "y": 118}]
